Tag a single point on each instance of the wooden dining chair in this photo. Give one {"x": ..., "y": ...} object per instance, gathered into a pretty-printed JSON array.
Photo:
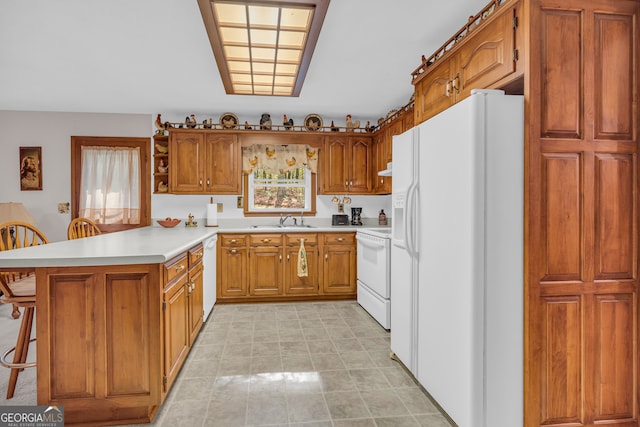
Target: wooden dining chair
[
  {"x": 19, "y": 288},
  {"x": 82, "y": 227}
]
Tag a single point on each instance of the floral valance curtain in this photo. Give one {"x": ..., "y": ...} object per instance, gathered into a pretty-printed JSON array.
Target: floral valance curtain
[{"x": 279, "y": 158}]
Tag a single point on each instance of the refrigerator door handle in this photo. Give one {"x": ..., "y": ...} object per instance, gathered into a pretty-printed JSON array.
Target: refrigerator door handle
[
  {"x": 415, "y": 222},
  {"x": 408, "y": 213}
]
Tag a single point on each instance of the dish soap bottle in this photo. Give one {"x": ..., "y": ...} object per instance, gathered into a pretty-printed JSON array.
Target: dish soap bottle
[{"x": 382, "y": 218}]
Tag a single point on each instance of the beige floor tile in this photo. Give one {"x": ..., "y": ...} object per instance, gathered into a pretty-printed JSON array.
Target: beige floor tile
[
  {"x": 345, "y": 404},
  {"x": 304, "y": 407},
  {"x": 384, "y": 403},
  {"x": 266, "y": 409}
]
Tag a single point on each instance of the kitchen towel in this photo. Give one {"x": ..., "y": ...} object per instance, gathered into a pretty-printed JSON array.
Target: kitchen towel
[{"x": 303, "y": 270}]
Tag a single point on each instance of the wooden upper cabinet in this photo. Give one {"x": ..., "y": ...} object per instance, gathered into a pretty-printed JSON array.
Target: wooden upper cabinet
[
  {"x": 360, "y": 162},
  {"x": 433, "y": 92},
  {"x": 223, "y": 164},
  {"x": 186, "y": 162},
  {"x": 348, "y": 162},
  {"x": 335, "y": 172},
  {"x": 204, "y": 163},
  {"x": 486, "y": 57},
  {"x": 381, "y": 184}
]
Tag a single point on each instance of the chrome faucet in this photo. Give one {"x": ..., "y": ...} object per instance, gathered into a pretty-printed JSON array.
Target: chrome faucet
[{"x": 283, "y": 219}]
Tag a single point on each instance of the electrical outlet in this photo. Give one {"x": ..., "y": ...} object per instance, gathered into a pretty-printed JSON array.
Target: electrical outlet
[
  {"x": 240, "y": 202},
  {"x": 220, "y": 205}
]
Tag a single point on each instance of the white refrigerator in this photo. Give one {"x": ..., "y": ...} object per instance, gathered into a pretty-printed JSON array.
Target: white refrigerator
[{"x": 457, "y": 258}]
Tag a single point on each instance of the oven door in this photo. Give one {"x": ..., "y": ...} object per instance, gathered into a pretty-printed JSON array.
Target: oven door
[{"x": 373, "y": 263}]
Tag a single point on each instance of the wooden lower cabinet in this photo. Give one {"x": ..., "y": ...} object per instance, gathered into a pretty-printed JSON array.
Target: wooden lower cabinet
[
  {"x": 175, "y": 313},
  {"x": 264, "y": 266},
  {"x": 339, "y": 263},
  {"x": 111, "y": 339},
  {"x": 301, "y": 285}
]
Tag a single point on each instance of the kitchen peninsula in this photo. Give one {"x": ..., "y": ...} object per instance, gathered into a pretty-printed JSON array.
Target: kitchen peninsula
[{"x": 116, "y": 317}]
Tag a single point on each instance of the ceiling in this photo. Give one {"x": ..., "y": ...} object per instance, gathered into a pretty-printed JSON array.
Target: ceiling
[{"x": 154, "y": 56}]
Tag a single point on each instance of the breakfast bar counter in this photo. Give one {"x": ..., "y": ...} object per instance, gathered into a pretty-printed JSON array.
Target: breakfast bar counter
[
  {"x": 138, "y": 246},
  {"x": 116, "y": 317}
]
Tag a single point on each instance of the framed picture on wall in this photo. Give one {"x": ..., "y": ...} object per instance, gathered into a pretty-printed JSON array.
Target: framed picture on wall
[{"x": 30, "y": 168}]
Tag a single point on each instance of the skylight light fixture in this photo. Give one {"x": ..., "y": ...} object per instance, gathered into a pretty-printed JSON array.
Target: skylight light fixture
[{"x": 263, "y": 47}]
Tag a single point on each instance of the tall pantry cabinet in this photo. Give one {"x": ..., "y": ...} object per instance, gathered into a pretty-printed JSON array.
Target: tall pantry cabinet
[{"x": 581, "y": 221}]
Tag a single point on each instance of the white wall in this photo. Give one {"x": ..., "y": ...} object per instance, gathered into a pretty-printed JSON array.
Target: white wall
[
  {"x": 174, "y": 206},
  {"x": 52, "y": 132}
]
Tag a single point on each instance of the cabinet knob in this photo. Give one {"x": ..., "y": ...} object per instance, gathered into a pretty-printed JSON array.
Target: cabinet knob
[
  {"x": 447, "y": 90},
  {"x": 233, "y": 251},
  {"x": 287, "y": 257},
  {"x": 280, "y": 258},
  {"x": 200, "y": 182},
  {"x": 340, "y": 239},
  {"x": 233, "y": 241},
  {"x": 266, "y": 240},
  {"x": 208, "y": 182},
  {"x": 198, "y": 254},
  {"x": 326, "y": 256},
  {"x": 180, "y": 268}
]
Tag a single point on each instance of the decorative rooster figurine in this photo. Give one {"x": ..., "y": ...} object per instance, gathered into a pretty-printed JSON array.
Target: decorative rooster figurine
[
  {"x": 190, "y": 121},
  {"x": 160, "y": 126},
  {"x": 351, "y": 125},
  {"x": 288, "y": 124}
]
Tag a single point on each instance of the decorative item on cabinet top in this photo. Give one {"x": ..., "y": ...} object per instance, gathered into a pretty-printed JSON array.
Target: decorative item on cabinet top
[
  {"x": 471, "y": 24},
  {"x": 229, "y": 121},
  {"x": 313, "y": 122}
]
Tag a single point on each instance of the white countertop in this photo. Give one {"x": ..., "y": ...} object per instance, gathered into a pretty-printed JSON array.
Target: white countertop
[
  {"x": 147, "y": 245},
  {"x": 153, "y": 245}
]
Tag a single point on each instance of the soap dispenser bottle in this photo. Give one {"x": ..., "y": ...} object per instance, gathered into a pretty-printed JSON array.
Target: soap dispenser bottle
[{"x": 382, "y": 218}]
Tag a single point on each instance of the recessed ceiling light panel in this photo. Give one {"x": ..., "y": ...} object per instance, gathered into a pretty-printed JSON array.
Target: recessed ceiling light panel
[{"x": 263, "y": 47}]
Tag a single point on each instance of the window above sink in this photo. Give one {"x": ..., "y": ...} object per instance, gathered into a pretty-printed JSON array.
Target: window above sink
[{"x": 292, "y": 192}]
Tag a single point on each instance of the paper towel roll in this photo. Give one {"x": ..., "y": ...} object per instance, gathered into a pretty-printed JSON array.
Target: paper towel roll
[{"x": 212, "y": 215}]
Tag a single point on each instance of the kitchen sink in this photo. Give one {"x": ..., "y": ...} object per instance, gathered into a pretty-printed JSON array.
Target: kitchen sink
[{"x": 281, "y": 226}]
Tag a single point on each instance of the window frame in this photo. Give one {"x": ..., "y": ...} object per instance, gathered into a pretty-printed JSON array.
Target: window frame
[{"x": 144, "y": 144}]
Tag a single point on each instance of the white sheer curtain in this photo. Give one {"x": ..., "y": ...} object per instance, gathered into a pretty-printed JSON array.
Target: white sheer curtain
[{"x": 109, "y": 188}]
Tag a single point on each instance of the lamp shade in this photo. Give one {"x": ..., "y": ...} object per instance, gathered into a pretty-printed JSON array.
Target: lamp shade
[{"x": 10, "y": 212}]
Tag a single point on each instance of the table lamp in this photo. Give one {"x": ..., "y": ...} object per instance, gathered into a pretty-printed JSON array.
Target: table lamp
[{"x": 10, "y": 212}]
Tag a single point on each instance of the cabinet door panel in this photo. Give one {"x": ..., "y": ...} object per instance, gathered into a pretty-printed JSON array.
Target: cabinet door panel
[
  {"x": 561, "y": 361},
  {"x": 176, "y": 333},
  {"x": 232, "y": 267},
  {"x": 334, "y": 179},
  {"x": 127, "y": 297},
  {"x": 431, "y": 95},
  {"x": 265, "y": 275},
  {"x": 186, "y": 162},
  {"x": 361, "y": 163},
  {"x": 487, "y": 56},
  {"x": 223, "y": 170},
  {"x": 615, "y": 82},
  {"x": 615, "y": 245},
  {"x": 561, "y": 67},
  {"x": 340, "y": 269},
  {"x": 295, "y": 285},
  {"x": 196, "y": 312},
  {"x": 614, "y": 383},
  {"x": 562, "y": 213}
]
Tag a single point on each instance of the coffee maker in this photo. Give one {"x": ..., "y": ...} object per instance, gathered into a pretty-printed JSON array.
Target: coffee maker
[{"x": 356, "y": 216}]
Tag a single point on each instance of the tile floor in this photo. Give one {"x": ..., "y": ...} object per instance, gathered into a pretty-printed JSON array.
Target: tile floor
[{"x": 320, "y": 364}]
